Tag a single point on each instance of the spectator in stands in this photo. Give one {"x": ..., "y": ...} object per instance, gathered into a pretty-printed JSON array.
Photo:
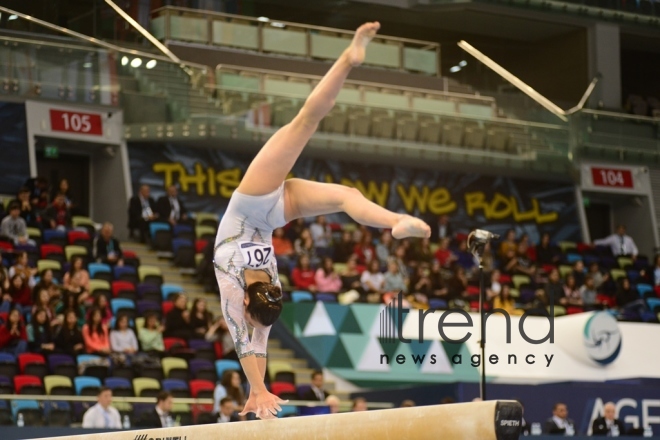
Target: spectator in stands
[
  {"x": 40, "y": 337},
  {"x": 304, "y": 245},
  {"x": 47, "y": 283},
  {"x": 444, "y": 255},
  {"x": 364, "y": 249},
  {"x": 101, "y": 303},
  {"x": 122, "y": 337},
  {"x": 77, "y": 288},
  {"x": 77, "y": 267},
  {"x": 159, "y": 416},
  {"x": 283, "y": 249},
  {"x": 495, "y": 286},
  {"x": 106, "y": 248},
  {"x": 102, "y": 415},
  {"x": 384, "y": 248},
  {"x": 303, "y": 275},
  {"x": 559, "y": 423},
  {"x": 4, "y": 279},
  {"x": 579, "y": 273},
  {"x": 38, "y": 187},
  {"x": 350, "y": 277},
  {"x": 44, "y": 301},
  {"x": 620, "y": 243},
  {"x": 333, "y": 403},
  {"x": 171, "y": 209},
  {"x": 200, "y": 318},
  {"x": 95, "y": 334},
  {"x": 457, "y": 286},
  {"x": 227, "y": 411},
  {"x": 422, "y": 251},
  {"x": 508, "y": 244},
  {"x": 13, "y": 336},
  {"x": 230, "y": 386},
  {"x": 599, "y": 277},
  {"x": 141, "y": 211},
  {"x": 344, "y": 249},
  {"x": 321, "y": 236},
  {"x": 70, "y": 340},
  {"x": 23, "y": 269},
  {"x": 58, "y": 215},
  {"x": 518, "y": 263},
  {"x": 602, "y": 426},
  {"x": 28, "y": 212},
  {"x": 439, "y": 285},
  {"x": 506, "y": 302},
  {"x": 373, "y": 281},
  {"x": 546, "y": 253},
  {"x": 177, "y": 321},
  {"x": 442, "y": 229},
  {"x": 463, "y": 257},
  {"x": 359, "y": 404},
  {"x": 326, "y": 279},
  {"x": 219, "y": 332},
  {"x": 316, "y": 391},
  {"x": 588, "y": 293},
  {"x": 151, "y": 335},
  {"x": 400, "y": 258},
  {"x": 420, "y": 282},
  {"x": 14, "y": 226},
  {"x": 572, "y": 295},
  {"x": 627, "y": 298},
  {"x": 295, "y": 228},
  {"x": 19, "y": 292},
  {"x": 393, "y": 280}
]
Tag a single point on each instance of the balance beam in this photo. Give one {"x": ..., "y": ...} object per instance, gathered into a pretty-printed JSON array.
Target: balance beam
[{"x": 490, "y": 420}]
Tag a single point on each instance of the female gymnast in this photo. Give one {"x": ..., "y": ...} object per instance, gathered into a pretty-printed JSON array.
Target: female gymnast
[{"x": 245, "y": 265}]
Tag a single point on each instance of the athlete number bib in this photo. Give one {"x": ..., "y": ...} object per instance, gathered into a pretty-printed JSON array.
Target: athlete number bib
[{"x": 255, "y": 255}]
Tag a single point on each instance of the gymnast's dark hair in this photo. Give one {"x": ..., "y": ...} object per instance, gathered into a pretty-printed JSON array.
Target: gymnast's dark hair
[{"x": 265, "y": 302}]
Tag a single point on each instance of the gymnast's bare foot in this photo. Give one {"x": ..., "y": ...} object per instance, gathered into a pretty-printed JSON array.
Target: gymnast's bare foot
[
  {"x": 363, "y": 35},
  {"x": 410, "y": 227}
]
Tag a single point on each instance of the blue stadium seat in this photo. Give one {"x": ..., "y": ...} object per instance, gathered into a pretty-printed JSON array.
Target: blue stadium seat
[
  {"x": 644, "y": 288},
  {"x": 301, "y": 295},
  {"x": 438, "y": 304},
  {"x": 94, "y": 268},
  {"x": 225, "y": 364},
  {"x": 326, "y": 297},
  {"x": 654, "y": 304},
  {"x": 168, "y": 289},
  {"x": 120, "y": 386},
  {"x": 116, "y": 304},
  {"x": 157, "y": 226},
  {"x": 82, "y": 382}
]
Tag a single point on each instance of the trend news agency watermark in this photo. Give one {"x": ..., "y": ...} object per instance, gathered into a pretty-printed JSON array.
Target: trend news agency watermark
[{"x": 391, "y": 330}]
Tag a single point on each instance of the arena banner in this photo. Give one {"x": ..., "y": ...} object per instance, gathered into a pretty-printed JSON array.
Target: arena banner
[
  {"x": 14, "y": 158},
  {"x": 208, "y": 177}
]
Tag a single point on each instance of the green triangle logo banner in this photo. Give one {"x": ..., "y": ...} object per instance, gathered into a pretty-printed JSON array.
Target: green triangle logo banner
[
  {"x": 303, "y": 313},
  {"x": 350, "y": 324},
  {"x": 355, "y": 346},
  {"x": 371, "y": 358},
  {"x": 337, "y": 314},
  {"x": 339, "y": 357},
  {"x": 436, "y": 361},
  {"x": 319, "y": 347},
  {"x": 408, "y": 364},
  {"x": 288, "y": 316},
  {"x": 388, "y": 347},
  {"x": 419, "y": 350},
  {"x": 319, "y": 322},
  {"x": 366, "y": 315}
]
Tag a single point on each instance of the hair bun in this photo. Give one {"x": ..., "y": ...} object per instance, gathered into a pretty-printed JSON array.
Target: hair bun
[{"x": 273, "y": 293}]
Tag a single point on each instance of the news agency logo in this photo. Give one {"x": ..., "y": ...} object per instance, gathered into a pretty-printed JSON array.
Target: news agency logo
[
  {"x": 602, "y": 338},
  {"x": 146, "y": 437}
]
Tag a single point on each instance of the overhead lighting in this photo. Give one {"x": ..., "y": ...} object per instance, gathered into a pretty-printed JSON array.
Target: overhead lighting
[
  {"x": 263, "y": 19},
  {"x": 12, "y": 17},
  {"x": 463, "y": 63},
  {"x": 455, "y": 69},
  {"x": 277, "y": 24},
  {"x": 136, "y": 62},
  {"x": 124, "y": 61},
  {"x": 150, "y": 64},
  {"x": 87, "y": 65}
]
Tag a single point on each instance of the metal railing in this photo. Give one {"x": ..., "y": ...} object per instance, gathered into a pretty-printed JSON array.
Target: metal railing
[{"x": 293, "y": 39}]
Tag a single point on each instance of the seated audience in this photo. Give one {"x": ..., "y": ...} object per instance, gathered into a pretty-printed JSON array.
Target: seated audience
[
  {"x": 344, "y": 249},
  {"x": 170, "y": 208},
  {"x": 160, "y": 416},
  {"x": 22, "y": 268},
  {"x": 554, "y": 291},
  {"x": 546, "y": 253},
  {"x": 598, "y": 277},
  {"x": 604, "y": 426},
  {"x": 359, "y": 404},
  {"x": 444, "y": 255},
  {"x": 77, "y": 267},
  {"x": 350, "y": 277},
  {"x": 95, "y": 334},
  {"x": 326, "y": 279},
  {"x": 303, "y": 275},
  {"x": 572, "y": 295},
  {"x": 151, "y": 335},
  {"x": 58, "y": 215},
  {"x": 364, "y": 250},
  {"x": 333, "y": 403},
  {"x": 316, "y": 391},
  {"x": 106, "y": 248},
  {"x": 620, "y": 243},
  {"x": 508, "y": 244},
  {"x": 27, "y": 211},
  {"x": 393, "y": 280},
  {"x": 69, "y": 339},
  {"x": 102, "y": 415},
  {"x": 321, "y": 236},
  {"x": 384, "y": 248},
  {"x": 588, "y": 292},
  {"x": 141, "y": 212},
  {"x": 506, "y": 302},
  {"x": 14, "y": 226},
  {"x": 13, "y": 335},
  {"x": 283, "y": 250},
  {"x": 230, "y": 386},
  {"x": 69, "y": 302},
  {"x": 579, "y": 273},
  {"x": 40, "y": 337},
  {"x": 122, "y": 337},
  {"x": 201, "y": 318},
  {"x": 177, "y": 321},
  {"x": 373, "y": 281},
  {"x": 18, "y": 293},
  {"x": 100, "y": 302},
  {"x": 559, "y": 423},
  {"x": 227, "y": 411}
]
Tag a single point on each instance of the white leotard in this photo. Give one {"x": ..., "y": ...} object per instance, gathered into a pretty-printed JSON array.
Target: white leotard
[{"x": 244, "y": 241}]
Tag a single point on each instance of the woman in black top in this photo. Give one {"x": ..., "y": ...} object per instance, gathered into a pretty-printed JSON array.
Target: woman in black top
[
  {"x": 200, "y": 318},
  {"x": 546, "y": 253},
  {"x": 40, "y": 338},
  {"x": 177, "y": 321},
  {"x": 70, "y": 339}
]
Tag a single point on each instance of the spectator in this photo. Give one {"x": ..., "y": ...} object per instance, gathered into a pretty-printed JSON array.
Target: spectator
[
  {"x": 102, "y": 415},
  {"x": 400, "y": 259},
  {"x": 77, "y": 267},
  {"x": 159, "y": 416},
  {"x": 46, "y": 283},
  {"x": 588, "y": 292},
  {"x": 58, "y": 215},
  {"x": 295, "y": 229},
  {"x": 393, "y": 280},
  {"x": 572, "y": 295},
  {"x": 350, "y": 277},
  {"x": 77, "y": 288},
  {"x": 22, "y": 268},
  {"x": 177, "y": 321},
  {"x": 220, "y": 332},
  {"x": 620, "y": 243},
  {"x": 141, "y": 212},
  {"x": 19, "y": 292},
  {"x": 326, "y": 279},
  {"x": 444, "y": 255},
  {"x": 101, "y": 303},
  {"x": 525, "y": 264},
  {"x": 559, "y": 423},
  {"x": 122, "y": 337},
  {"x": 372, "y": 279},
  {"x": 384, "y": 248},
  {"x": 598, "y": 277},
  {"x": 70, "y": 340},
  {"x": 457, "y": 286},
  {"x": 627, "y": 298},
  {"x": 171, "y": 209},
  {"x": 200, "y": 318},
  {"x": 69, "y": 302},
  {"x": 283, "y": 249},
  {"x": 303, "y": 275},
  {"x": 95, "y": 334},
  {"x": 27, "y": 212},
  {"x": 656, "y": 271},
  {"x": 463, "y": 257},
  {"x": 508, "y": 244},
  {"x": 603, "y": 426},
  {"x": 344, "y": 249},
  {"x": 14, "y": 226},
  {"x": 333, "y": 403},
  {"x": 421, "y": 282},
  {"x": 364, "y": 249},
  {"x": 151, "y": 335},
  {"x": 359, "y": 404},
  {"x": 546, "y": 253},
  {"x": 13, "y": 336},
  {"x": 4, "y": 279},
  {"x": 40, "y": 338},
  {"x": 422, "y": 252},
  {"x": 505, "y": 302},
  {"x": 63, "y": 188},
  {"x": 304, "y": 245},
  {"x": 44, "y": 301},
  {"x": 230, "y": 386},
  {"x": 438, "y": 284},
  {"x": 495, "y": 287},
  {"x": 579, "y": 273},
  {"x": 442, "y": 229},
  {"x": 321, "y": 236},
  {"x": 38, "y": 187},
  {"x": 316, "y": 391},
  {"x": 106, "y": 248},
  {"x": 227, "y": 411}
]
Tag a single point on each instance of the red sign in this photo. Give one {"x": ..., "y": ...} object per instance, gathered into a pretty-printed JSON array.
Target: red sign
[
  {"x": 612, "y": 178},
  {"x": 76, "y": 122}
]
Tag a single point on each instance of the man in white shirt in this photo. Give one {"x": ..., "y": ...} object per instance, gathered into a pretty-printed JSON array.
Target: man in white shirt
[
  {"x": 102, "y": 415},
  {"x": 559, "y": 423},
  {"x": 227, "y": 411},
  {"x": 322, "y": 236},
  {"x": 620, "y": 243}
]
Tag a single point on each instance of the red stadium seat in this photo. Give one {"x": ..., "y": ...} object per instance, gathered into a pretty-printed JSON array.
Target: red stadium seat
[
  {"x": 198, "y": 385},
  {"x": 547, "y": 268},
  {"x": 278, "y": 388},
  {"x": 51, "y": 249},
  {"x": 604, "y": 299},
  {"x": 28, "y": 384},
  {"x": 6, "y": 246},
  {"x": 505, "y": 279},
  {"x": 584, "y": 247},
  {"x": 167, "y": 307},
  {"x": 200, "y": 245},
  {"x": 129, "y": 254},
  {"x": 572, "y": 310},
  {"x": 81, "y": 238},
  {"x": 174, "y": 342},
  {"x": 119, "y": 286},
  {"x": 25, "y": 359}
]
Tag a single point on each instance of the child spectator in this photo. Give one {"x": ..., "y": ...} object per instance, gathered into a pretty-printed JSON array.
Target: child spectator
[
  {"x": 58, "y": 215},
  {"x": 384, "y": 248},
  {"x": 18, "y": 292},
  {"x": 77, "y": 267},
  {"x": 444, "y": 255},
  {"x": 572, "y": 295},
  {"x": 15, "y": 227},
  {"x": 100, "y": 303},
  {"x": 326, "y": 279},
  {"x": 505, "y": 302},
  {"x": 22, "y": 268}
]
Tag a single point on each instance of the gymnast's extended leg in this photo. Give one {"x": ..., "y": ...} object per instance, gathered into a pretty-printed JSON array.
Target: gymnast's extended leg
[{"x": 276, "y": 158}]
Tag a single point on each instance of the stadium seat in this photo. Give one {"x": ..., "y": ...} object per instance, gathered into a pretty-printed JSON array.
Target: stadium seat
[
  {"x": 8, "y": 365},
  {"x": 184, "y": 232},
  {"x": 565, "y": 270},
  {"x": 32, "y": 364},
  {"x": 75, "y": 251},
  {"x": 278, "y": 388},
  {"x": 144, "y": 306},
  {"x": 178, "y": 388},
  {"x": 624, "y": 262},
  {"x": 120, "y": 386},
  {"x": 94, "y": 366},
  {"x": 198, "y": 386},
  {"x": 170, "y": 289},
  {"x": 55, "y": 236},
  {"x": 565, "y": 246},
  {"x": 171, "y": 343},
  {"x": 25, "y": 384},
  {"x": 86, "y": 385},
  {"x": 150, "y": 275},
  {"x": 203, "y": 349},
  {"x": 438, "y": 304},
  {"x": 175, "y": 368},
  {"x": 520, "y": 280},
  {"x": 100, "y": 287},
  {"x": 32, "y": 413},
  {"x": 124, "y": 306},
  {"x": 207, "y": 219},
  {"x": 167, "y": 307},
  {"x": 52, "y": 252},
  {"x": 53, "y": 265},
  {"x": 275, "y": 367},
  {"x": 6, "y": 385},
  {"x": 100, "y": 268},
  {"x": 161, "y": 236},
  {"x": 124, "y": 289},
  {"x": 644, "y": 289},
  {"x": 184, "y": 253},
  {"x": 225, "y": 364},
  {"x": 126, "y": 273},
  {"x": 301, "y": 295},
  {"x": 616, "y": 274},
  {"x": 205, "y": 233},
  {"x": 57, "y": 413},
  {"x": 82, "y": 222},
  {"x": 326, "y": 297},
  {"x": 58, "y": 385},
  {"x": 79, "y": 238},
  {"x": 653, "y": 304},
  {"x": 62, "y": 365},
  {"x": 146, "y": 387},
  {"x": 203, "y": 369}
]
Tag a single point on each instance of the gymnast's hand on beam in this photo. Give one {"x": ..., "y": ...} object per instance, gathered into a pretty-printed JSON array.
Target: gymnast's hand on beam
[{"x": 263, "y": 404}]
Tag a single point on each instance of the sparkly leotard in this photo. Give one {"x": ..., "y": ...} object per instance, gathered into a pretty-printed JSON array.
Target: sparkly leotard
[{"x": 244, "y": 241}]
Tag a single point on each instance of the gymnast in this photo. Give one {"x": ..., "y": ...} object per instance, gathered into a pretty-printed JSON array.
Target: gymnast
[{"x": 246, "y": 271}]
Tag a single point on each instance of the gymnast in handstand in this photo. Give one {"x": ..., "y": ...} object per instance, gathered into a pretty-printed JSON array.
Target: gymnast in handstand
[{"x": 250, "y": 291}]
